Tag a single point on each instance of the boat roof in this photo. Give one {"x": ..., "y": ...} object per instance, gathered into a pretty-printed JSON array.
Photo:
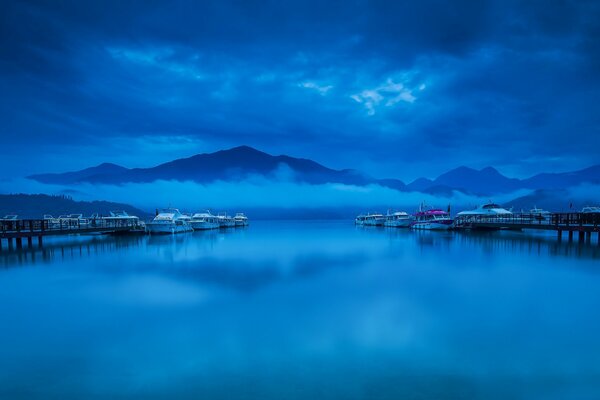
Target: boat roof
[
  {"x": 590, "y": 209},
  {"x": 399, "y": 213},
  {"x": 434, "y": 211},
  {"x": 485, "y": 209},
  {"x": 203, "y": 215}
]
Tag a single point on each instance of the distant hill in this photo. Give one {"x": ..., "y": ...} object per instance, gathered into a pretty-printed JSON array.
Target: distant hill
[
  {"x": 36, "y": 205},
  {"x": 242, "y": 162},
  {"x": 488, "y": 181},
  {"x": 228, "y": 165}
]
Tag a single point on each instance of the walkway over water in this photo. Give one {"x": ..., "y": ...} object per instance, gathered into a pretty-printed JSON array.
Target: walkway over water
[
  {"x": 30, "y": 228},
  {"x": 584, "y": 223}
]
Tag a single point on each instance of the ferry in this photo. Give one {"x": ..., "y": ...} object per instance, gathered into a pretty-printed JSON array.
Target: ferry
[
  {"x": 240, "y": 219},
  {"x": 590, "y": 210},
  {"x": 374, "y": 220},
  {"x": 169, "y": 220},
  {"x": 51, "y": 221},
  {"x": 540, "y": 215},
  {"x": 398, "y": 219},
  {"x": 225, "y": 221},
  {"x": 360, "y": 219},
  {"x": 203, "y": 221},
  {"x": 121, "y": 218},
  {"x": 118, "y": 216},
  {"x": 432, "y": 219},
  {"x": 487, "y": 210}
]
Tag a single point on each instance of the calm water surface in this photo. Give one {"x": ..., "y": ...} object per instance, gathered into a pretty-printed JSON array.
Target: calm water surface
[{"x": 302, "y": 310}]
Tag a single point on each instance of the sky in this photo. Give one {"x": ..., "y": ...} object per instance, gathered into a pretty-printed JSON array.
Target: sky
[{"x": 392, "y": 88}]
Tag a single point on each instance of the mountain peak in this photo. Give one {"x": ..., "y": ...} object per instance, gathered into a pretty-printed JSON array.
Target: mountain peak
[
  {"x": 490, "y": 170},
  {"x": 242, "y": 149}
]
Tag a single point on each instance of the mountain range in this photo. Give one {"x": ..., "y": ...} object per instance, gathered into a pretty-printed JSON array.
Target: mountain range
[{"x": 242, "y": 162}]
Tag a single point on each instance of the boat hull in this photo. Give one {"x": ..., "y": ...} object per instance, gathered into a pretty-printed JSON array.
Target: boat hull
[
  {"x": 203, "y": 225},
  {"x": 432, "y": 225},
  {"x": 398, "y": 223},
  {"x": 241, "y": 223},
  {"x": 226, "y": 224},
  {"x": 374, "y": 223},
  {"x": 167, "y": 229}
]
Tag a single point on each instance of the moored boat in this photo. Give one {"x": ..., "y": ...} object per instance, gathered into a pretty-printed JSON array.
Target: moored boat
[
  {"x": 375, "y": 219},
  {"x": 539, "y": 214},
  {"x": 590, "y": 210},
  {"x": 204, "y": 221},
  {"x": 225, "y": 221},
  {"x": 483, "y": 212},
  {"x": 360, "y": 219},
  {"x": 169, "y": 221},
  {"x": 240, "y": 219},
  {"x": 432, "y": 219},
  {"x": 398, "y": 219}
]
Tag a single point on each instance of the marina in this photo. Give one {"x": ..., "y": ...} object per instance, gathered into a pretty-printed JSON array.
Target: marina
[
  {"x": 15, "y": 232},
  {"x": 494, "y": 217}
]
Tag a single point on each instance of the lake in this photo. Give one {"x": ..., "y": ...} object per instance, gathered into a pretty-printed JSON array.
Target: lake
[{"x": 302, "y": 310}]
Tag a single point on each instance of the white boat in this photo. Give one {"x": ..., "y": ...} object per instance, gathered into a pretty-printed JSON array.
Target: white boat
[
  {"x": 118, "y": 216},
  {"x": 374, "y": 220},
  {"x": 240, "y": 219},
  {"x": 398, "y": 219},
  {"x": 360, "y": 219},
  {"x": 431, "y": 219},
  {"x": 225, "y": 221},
  {"x": 485, "y": 210},
  {"x": 169, "y": 220},
  {"x": 540, "y": 215},
  {"x": 9, "y": 218},
  {"x": 51, "y": 221},
  {"x": 202, "y": 221},
  {"x": 590, "y": 210}
]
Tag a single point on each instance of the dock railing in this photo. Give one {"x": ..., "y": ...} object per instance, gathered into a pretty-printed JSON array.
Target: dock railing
[
  {"x": 552, "y": 221},
  {"x": 36, "y": 227}
]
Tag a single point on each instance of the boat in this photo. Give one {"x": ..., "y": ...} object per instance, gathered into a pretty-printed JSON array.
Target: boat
[
  {"x": 225, "y": 221},
  {"x": 432, "y": 219},
  {"x": 590, "y": 210},
  {"x": 203, "y": 221},
  {"x": 51, "y": 221},
  {"x": 10, "y": 218},
  {"x": 118, "y": 216},
  {"x": 487, "y": 210},
  {"x": 169, "y": 220},
  {"x": 398, "y": 219},
  {"x": 374, "y": 220},
  {"x": 360, "y": 219},
  {"x": 539, "y": 214},
  {"x": 240, "y": 219}
]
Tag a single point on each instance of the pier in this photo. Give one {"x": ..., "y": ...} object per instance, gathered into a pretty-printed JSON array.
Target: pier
[
  {"x": 30, "y": 229},
  {"x": 582, "y": 224}
]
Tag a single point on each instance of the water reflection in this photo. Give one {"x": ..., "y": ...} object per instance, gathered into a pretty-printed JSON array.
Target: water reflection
[{"x": 302, "y": 310}]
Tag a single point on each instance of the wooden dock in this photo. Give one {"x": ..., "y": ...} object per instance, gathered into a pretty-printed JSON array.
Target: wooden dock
[
  {"x": 29, "y": 229},
  {"x": 583, "y": 223}
]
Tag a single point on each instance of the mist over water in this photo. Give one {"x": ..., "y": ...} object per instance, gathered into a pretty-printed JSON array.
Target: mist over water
[{"x": 296, "y": 310}]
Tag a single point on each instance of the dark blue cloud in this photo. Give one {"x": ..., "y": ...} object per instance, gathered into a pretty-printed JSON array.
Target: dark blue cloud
[{"x": 393, "y": 88}]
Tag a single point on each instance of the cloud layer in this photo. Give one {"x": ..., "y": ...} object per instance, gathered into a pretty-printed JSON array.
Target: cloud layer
[{"x": 392, "y": 88}]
